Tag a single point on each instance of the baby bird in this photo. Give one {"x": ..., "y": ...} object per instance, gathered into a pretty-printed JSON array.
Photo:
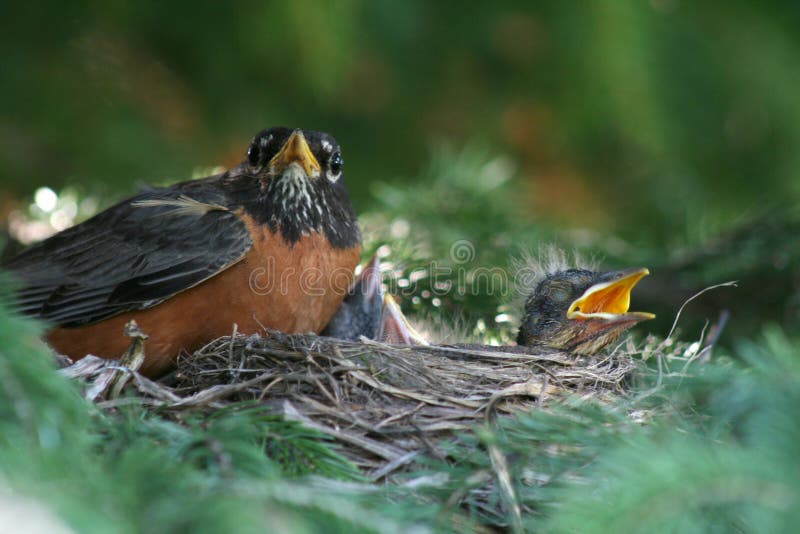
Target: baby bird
[
  {"x": 579, "y": 310},
  {"x": 362, "y": 308},
  {"x": 367, "y": 311},
  {"x": 572, "y": 309}
]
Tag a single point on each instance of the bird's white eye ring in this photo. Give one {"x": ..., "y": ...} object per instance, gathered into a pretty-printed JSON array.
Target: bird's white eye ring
[{"x": 335, "y": 166}]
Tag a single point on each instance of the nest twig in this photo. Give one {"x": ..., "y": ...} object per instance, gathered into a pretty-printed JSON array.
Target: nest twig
[
  {"x": 386, "y": 401},
  {"x": 383, "y": 403}
]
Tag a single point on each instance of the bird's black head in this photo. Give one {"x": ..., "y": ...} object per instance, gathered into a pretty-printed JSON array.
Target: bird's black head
[
  {"x": 580, "y": 310},
  {"x": 299, "y": 186},
  {"x": 296, "y": 153}
]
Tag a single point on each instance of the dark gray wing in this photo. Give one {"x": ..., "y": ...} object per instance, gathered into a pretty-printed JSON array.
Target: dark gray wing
[{"x": 132, "y": 256}]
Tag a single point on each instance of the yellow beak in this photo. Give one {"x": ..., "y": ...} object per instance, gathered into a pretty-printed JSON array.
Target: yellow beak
[
  {"x": 296, "y": 150},
  {"x": 610, "y": 298}
]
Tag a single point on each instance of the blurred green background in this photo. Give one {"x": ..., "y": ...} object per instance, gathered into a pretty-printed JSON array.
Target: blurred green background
[
  {"x": 658, "y": 125},
  {"x": 663, "y": 133}
]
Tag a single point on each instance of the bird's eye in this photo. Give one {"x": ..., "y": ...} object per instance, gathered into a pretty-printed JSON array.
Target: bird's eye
[
  {"x": 336, "y": 163},
  {"x": 558, "y": 293},
  {"x": 252, "y": 155}
]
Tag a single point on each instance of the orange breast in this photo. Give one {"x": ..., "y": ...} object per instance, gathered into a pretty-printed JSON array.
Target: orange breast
[{"x": 289, "y": 288}]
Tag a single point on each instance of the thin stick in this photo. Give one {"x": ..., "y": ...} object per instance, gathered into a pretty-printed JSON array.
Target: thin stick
[{"x": 690, "y": 299}]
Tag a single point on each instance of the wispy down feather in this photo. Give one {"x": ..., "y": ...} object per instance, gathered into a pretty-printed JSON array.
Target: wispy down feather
[{"x": 531, "y": 268}]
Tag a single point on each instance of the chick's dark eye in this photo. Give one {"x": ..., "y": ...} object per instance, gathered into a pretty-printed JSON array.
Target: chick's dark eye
[
  {"x": 559, "y": 293},
  {"x": 252, "y": 155},
  {"x": 336, "y": 163}
]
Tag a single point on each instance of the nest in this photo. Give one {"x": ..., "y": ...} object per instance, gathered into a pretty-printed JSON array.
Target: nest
[{"x": 383, "y": 403}]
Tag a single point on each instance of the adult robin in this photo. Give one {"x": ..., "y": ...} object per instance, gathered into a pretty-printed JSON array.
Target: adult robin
[
  {"x": 575, "y": 310},
  {"x": 271, "y": 243}
]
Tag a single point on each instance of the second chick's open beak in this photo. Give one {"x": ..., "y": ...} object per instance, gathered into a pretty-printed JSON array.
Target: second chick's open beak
[
  {"x": 296, "y": 150},
  {"x": 610, "y": 298},
  {"x": 395, "y": 327}
]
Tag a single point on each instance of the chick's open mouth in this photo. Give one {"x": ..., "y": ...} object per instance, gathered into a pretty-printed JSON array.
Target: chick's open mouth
[{"x": 610, "y": 299}]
